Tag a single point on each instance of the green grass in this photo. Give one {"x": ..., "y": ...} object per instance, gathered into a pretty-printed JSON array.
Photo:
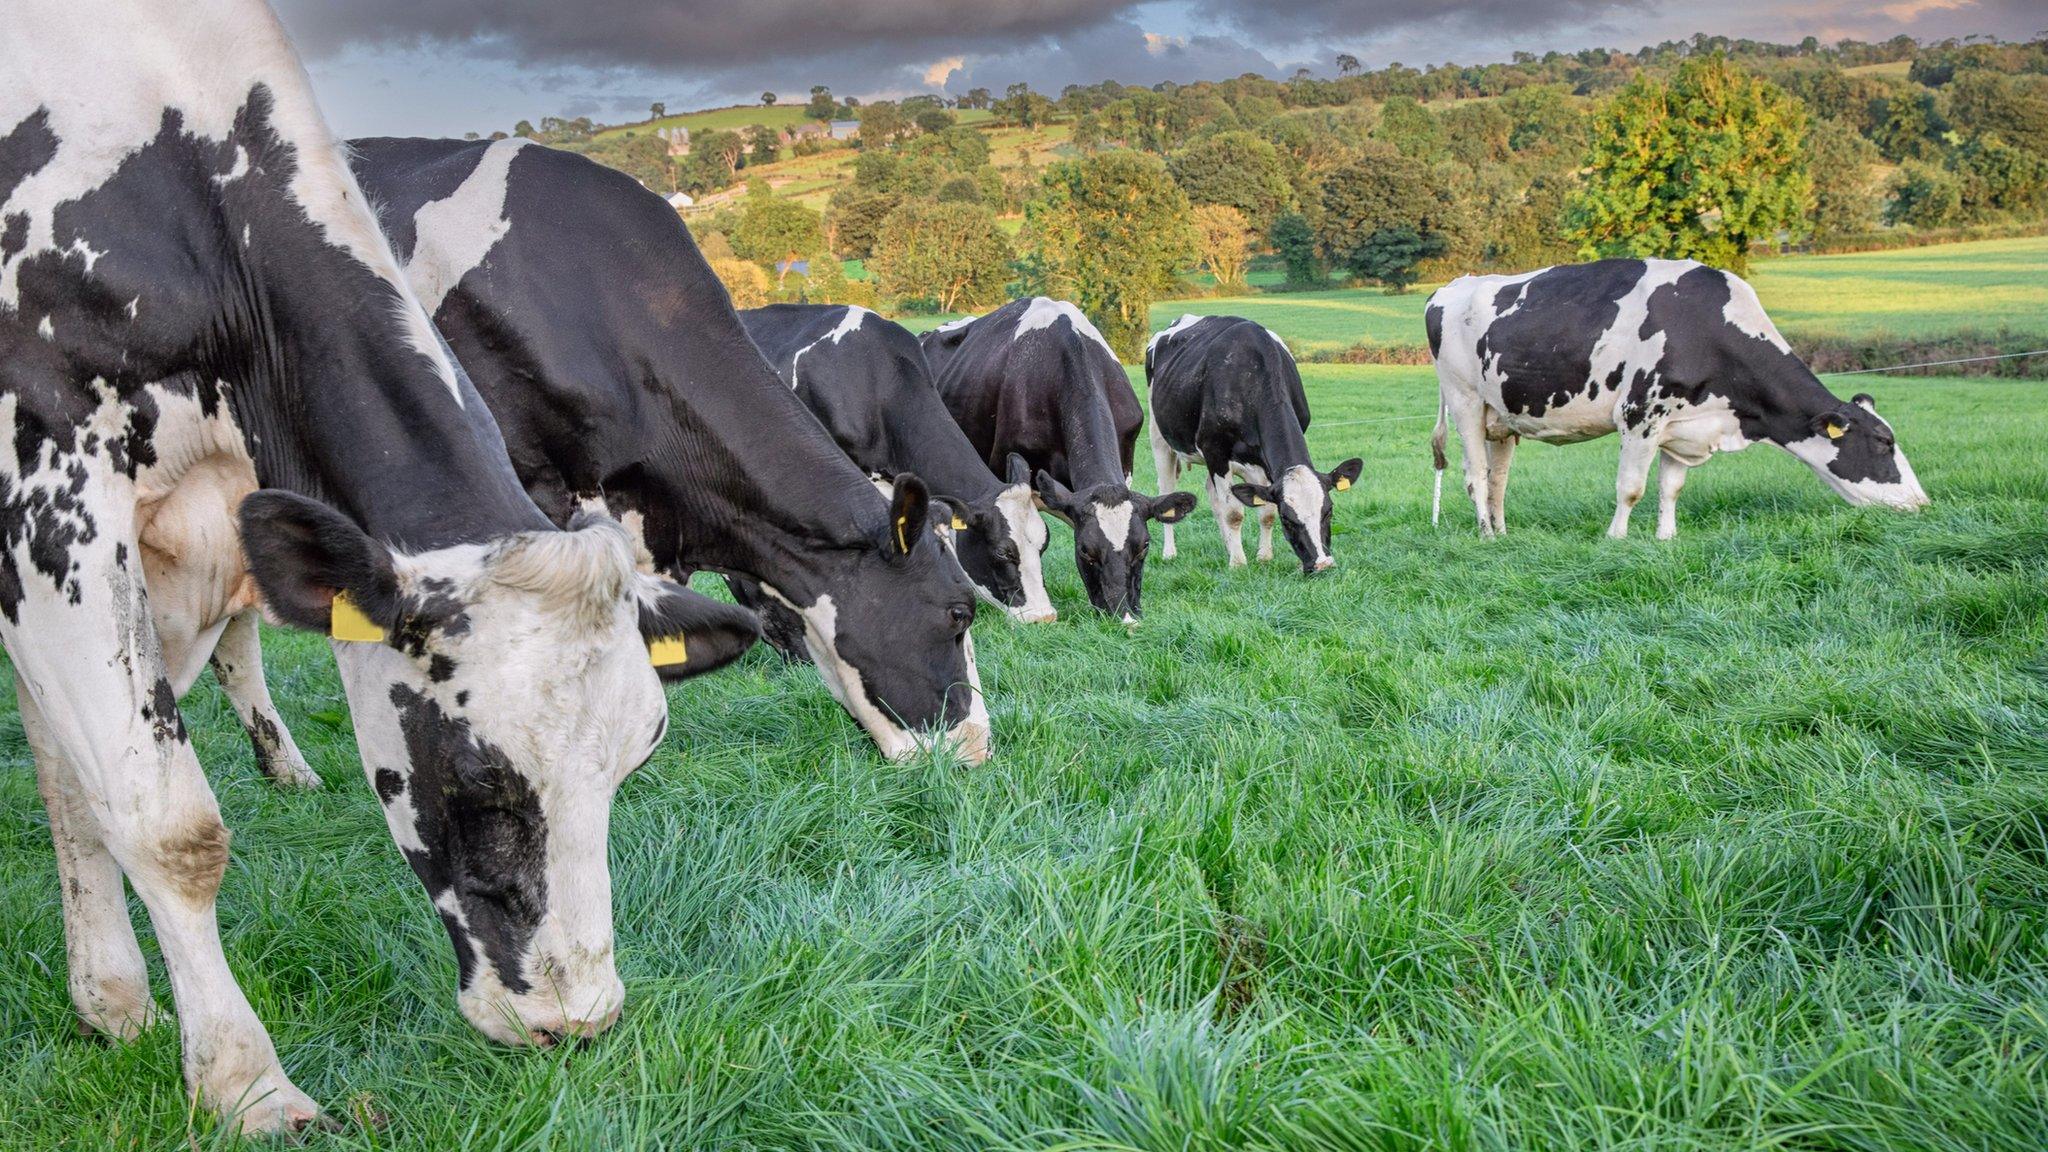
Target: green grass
[
  {"x": 1739, "y": 841},
  {"x": 732, "y": 119},
  {"x": 1913, "y": 292}
]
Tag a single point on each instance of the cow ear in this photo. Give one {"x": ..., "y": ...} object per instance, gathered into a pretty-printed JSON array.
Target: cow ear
[
  {"x": 1346, "y": 474},
  {"x": 910, "y": 512},
  {"x": 1865, "y": 401},
  {"x": 1835, "y": 423},
  {"x": 955, "y": 511},
  {"x": 689, "y": 634},
  {"x": 1251, "y": 495},
  {"x": 1171, "y": 508},
  {"x": 1016, "y": 471},
  {"x": 1053, "y": 496},
  {"x": 304, "y": 554}
]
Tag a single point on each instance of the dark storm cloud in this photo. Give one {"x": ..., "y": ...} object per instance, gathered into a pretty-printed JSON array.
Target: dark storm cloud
[
  {"x": 1306, "y": 19},
  {"x": 715, "y": 33}
]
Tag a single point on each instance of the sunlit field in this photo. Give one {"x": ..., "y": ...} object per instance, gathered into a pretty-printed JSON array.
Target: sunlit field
[
  {"x": 1551, "y": 842},
  {"x": 1917, "y": 292}
]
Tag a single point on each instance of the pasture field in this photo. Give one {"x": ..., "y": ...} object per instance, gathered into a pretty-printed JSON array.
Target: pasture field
[
  {"x": 1914, "y": 292},
  {"x": 1546, "y": 843},
  {"x": 731, "y": 119}
]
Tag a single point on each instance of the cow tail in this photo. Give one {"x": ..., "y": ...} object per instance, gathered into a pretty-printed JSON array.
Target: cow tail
[{"x": 1436, "y": 448}]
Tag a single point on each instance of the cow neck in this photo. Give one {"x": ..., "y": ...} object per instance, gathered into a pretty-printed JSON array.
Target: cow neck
[
  {"x": 1785, "y": 392},
  {"x": 921, "y": 430},
  {"x": 1087, "y": 434},
  {"x": 758, "y": 486},
  {"x": 1282, "y": 444}
]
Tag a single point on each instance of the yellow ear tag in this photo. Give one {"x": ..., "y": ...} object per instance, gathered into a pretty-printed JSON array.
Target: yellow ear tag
[
  {"x": 667, "y": 652},
  {"x": 1258, "y": 502},
  {"x": 1836, "y": 431},
  {"x": 902, "y": 542},
  {"x": 1343, "y": 482},
  {"x": 959, "y": 525},
  {"x": 347, "y": 622}
]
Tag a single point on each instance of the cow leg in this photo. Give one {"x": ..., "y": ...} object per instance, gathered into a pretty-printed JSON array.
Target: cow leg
[
  {"x": 93, "y": 672},
  {"x": 1499, "y": 455},
  {"x": 238, "y": 665},
  {"x": 108, "y": 979},
  {"x": 1229, "y": 517},
  {"x": 1267, "y": 515},
  {"x": 1637, "y": 454},
  {"x": 1469, "y": 414},
  {"x": 1670, "y": 478},
  {"x": 1167, "y": 464}
]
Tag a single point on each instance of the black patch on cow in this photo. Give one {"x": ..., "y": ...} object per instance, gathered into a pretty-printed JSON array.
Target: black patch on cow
[
  {"x": 1433, "y": 324},
  {"x": 161, "y": 710},
  {"x": 24, "y": 151},
  {"x": 440, "y": 669},
  {"x": 13, "y": 235},
  {"x": 484, "y": 835},
  {"x": 390, "y": 785},
  {"x": 1544, "y": 343}
]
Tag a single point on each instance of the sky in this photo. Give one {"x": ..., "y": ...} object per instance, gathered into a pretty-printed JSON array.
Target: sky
[{"x": 445, "y": 67}]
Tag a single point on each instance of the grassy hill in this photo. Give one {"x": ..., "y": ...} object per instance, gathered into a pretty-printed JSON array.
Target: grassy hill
[{"x": 730, "y": 119}]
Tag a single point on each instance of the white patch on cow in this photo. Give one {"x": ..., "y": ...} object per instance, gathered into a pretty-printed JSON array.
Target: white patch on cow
[
  {"x": 632, "y": 521},
  {"x": 1282, "y": 343},
  {"x": 1249, "y": 473},
  {"x": 1905, "y": 494},
  {"x": 106, "y": 72},
  {"x": 1115, "y": 520},
  {"x": 237, "y": 170},
  {"x": 134, "y": 304},
  {"x": 1301, "y": 489},
  {"x": 46, "y": 330},
  {"x": 456, "y": 234},
  {"x": 1187, "y": 320},
  {"x": 1044, "y": 312},
  {"x": 952, "y": 325},
  {"x": 1693, "y": 432},
  {"x": 1026, "y": 529},
  {"x": 848, "y": 324},
  {"x": 1746, "y": 313}
]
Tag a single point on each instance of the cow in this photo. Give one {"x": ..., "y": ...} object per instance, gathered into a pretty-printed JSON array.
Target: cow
[
  {"x": 218, "y": 388},
  {"x": 1226, "y": 394},
  {"x": 1676, "y": 357},
  {"x": 865, "y": 379},
  {"x": 625, "y": 381},
  {"x": 1036, "y": 387}
]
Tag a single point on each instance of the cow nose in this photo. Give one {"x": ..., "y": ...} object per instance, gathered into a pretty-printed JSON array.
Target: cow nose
[
  {"x": 577, "y": 1031},
  {"x": 1037, "y": 615},
  {"x": 1323, "y": 565}
]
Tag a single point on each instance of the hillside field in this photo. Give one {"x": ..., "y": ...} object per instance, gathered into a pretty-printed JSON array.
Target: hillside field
[{"x": 1552, "y": 842}]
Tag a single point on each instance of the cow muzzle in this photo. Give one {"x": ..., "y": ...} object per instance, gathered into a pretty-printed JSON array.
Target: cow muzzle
[{"x": 547, "y": 1015}]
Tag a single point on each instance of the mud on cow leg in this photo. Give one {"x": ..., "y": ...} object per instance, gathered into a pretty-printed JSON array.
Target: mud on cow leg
[
  {"x": 238, "y": 665},
  {"x": 1267, "y": 515}
]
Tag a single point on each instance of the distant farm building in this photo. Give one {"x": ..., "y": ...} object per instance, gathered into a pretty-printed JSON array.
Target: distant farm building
[
  {"x": 845, "y": 129},
  {"x": 809, "y": 130},
  {"x": 681, "y": 200},
  {"x": 677, "y": 138}
]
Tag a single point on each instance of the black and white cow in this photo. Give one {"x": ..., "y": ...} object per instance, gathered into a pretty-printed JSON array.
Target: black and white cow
[
  {"x": 194, "y": 304},
  {"x": 1677, "y": 357},
  {"x": 623, "y": 379},
  {"x": 865, "y": 379},
  {"x": 1034, "y": 382},
  {"x": 1226, "y": 395}
]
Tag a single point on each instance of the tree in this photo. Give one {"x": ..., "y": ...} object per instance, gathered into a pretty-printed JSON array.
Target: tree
[
  {"x": 932, "y": 121},
  {"x": 768, "y": 99},
  {"x": 1346, "y": 63},
  {"x": 1387, "y": 194},
  {"x": 1295, "y": 240},
  {"x": 2014, "y": 108},
  {"x": 977, "y": 98},
  {"x": 764, "y": 144},
  {"x": 822, "y": 105},
  {"x": 1223, "y": 241},
  {"x": 1924, "y": 197},
  {"x": 1840, "y": 159},
  {"x": 713, "y": 161},
  {"x": 1023, "y": 107},
  {"x": 1237, "y": 169},
  {"x": 1698, "y": 167},
  {"x": 745, "y": 282},
  {"x": 772, "y": 229},
  {"x": 523, "y": 129},
  {"x": 1109, "y": 232},
  {"x": 657, "y": 110},
  {"x": 856, "y": 215},
  {"x": 880, "y": 123},
  {"x": 950, "y": 257}
]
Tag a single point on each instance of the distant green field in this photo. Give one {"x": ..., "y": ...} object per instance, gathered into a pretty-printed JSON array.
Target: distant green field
[
  {"x": 1911, "y": 292},
  {"x": 727, "y": 119}
]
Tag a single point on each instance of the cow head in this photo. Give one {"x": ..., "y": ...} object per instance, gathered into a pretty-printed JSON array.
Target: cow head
[
  {"x": 1111, "y": 537},
  {"x": 500, "y": 694},
  {"x": 887, "y": 627},
  {"x": 1303, "y": 498},
  {"x": 1002, "y": 548},
  {"x": 1852, "y": 449}
]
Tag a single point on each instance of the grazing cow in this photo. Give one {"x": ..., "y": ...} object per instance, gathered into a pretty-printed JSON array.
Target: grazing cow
[
  {"x": 1226, "y": 394},
  {"x": 1677, "y": 357},
  {"x": 623, "y": 379},
  {"x": 1034, "y": 382},
  {"x": 195, "y": 304},
  {"x": 866, "y": 380}
]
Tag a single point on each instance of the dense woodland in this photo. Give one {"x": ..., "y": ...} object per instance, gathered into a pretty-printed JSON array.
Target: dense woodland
[{"x": 1709, "y": 148}]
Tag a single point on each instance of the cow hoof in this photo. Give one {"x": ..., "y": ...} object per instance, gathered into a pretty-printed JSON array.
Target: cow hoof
[
  {"x": 117, "y": 1012},
  {"x": 292, "y": 775},
  {"x": 272, "y": 1106},
  {"x": 1667, "y": 533},
  {"x": 1265, "y": 557}
]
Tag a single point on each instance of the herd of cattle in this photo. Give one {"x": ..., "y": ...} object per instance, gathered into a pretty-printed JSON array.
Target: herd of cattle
[{"x": 476, "y": 410}]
